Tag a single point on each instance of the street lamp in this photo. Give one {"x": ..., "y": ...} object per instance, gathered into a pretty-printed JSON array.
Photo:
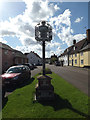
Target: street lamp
[{"x": 43, "y": 32}]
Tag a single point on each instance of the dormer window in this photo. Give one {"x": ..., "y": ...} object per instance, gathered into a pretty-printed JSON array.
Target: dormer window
[{"x": 67, "y": 50}]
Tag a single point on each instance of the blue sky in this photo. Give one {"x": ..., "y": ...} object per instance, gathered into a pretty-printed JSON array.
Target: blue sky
[{"x": 17, "y": 21}]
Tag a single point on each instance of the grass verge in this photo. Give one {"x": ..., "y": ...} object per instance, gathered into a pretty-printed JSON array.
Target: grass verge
[{"x": 69, "y": 102}]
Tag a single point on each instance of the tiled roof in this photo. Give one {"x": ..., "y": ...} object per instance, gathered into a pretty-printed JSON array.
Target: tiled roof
[
  {"x": 78, "y": 46},
  {"x": 67, "y": 51},
  {"x": 86, "y": 47}
]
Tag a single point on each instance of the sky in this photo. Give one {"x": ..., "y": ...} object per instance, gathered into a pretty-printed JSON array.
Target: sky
[{"x": 69, "y": 21}]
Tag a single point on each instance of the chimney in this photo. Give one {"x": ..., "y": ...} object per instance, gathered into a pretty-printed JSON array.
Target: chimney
[
  {"x": 74, "y": 42},
  {"x": 88, "y": 35}
]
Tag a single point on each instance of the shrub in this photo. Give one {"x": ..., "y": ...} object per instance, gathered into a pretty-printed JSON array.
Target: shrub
[{"x": 47, "y": 71}]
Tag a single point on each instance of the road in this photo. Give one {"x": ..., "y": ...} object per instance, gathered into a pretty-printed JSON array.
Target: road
[{"x": 74, "y": 75}]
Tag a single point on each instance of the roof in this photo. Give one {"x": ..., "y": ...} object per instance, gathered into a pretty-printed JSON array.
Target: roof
[
  {"x": 4, "y": 46},
  {"x": 34, "y": 54},
  {"x": 54, "y": 56},
  {"x": 86, "y": 47},
  {"x": 17, "y": 53},
  {"x": 78, "y": 46},
  {"x": 67, "y": 51}
]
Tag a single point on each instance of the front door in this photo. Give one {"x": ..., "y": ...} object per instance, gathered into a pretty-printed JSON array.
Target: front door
[{"x": 72, "y": 62}]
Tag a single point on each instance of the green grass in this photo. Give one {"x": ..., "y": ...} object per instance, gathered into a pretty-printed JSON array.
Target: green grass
[{"x": 69, "y": 102}]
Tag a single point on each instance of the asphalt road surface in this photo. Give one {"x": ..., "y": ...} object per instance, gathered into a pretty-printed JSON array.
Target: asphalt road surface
[{"x": 74, "y": 75}]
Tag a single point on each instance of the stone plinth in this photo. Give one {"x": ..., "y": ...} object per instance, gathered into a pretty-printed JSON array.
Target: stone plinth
[{"x": 44, "y": 89}]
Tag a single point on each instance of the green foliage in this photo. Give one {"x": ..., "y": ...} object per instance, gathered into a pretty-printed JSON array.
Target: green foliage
[
  {"x": 69, "y": 102},
  {"x": 53, "y": 59},
  {"x": 47, "y": 71}
]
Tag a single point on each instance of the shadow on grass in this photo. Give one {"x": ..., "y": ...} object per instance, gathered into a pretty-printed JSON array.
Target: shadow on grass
[
  {"x": 11, "y": 88},
  {"x": 4, "y": 101},
  {"x": 58, "y": 103}
]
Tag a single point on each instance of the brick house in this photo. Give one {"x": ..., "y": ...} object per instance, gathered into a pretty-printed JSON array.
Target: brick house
[{"x": 9, "y": 57}]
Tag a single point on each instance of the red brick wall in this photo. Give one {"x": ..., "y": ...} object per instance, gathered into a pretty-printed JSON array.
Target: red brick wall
[{"x": 7, "y": 59}]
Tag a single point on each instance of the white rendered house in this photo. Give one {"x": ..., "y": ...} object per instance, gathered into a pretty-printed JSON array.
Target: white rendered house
[
  {"x": 64, "y": 58},
  {"x": 34, "y": 58}
]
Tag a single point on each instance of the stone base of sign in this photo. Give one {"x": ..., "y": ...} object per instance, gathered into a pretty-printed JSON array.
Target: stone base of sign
[{"x": 44, "y": 89}]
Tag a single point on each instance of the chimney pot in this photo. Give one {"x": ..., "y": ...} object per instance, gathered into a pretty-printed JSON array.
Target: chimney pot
[
  {"x": 88, "y": 35},
  {"x": 74, "y": 42}
]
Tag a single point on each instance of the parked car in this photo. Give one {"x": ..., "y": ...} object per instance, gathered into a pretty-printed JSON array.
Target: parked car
[
  {"x": 2, "y": 83},
  {"x": 34, "y": 65},
  {"x": 16, "y": 75},
  {"x": 50, "y": 63},
  {"x": 57, "y": 63},
  {"x": 29, "y": 65}
]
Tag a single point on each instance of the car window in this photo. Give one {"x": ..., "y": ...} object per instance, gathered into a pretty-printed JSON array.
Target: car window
[{"x": 14, "y": 70}]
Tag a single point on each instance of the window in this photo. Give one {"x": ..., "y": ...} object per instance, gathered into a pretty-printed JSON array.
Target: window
[
  {"x": 75, "y": 55},
  {"x": 81, "y": 53},
  {"x": 13, "y": 53},
  {"x": 81, "y": 61},
  {"x": 6, "y": 52},
  {"x": 75, "y": 61}
]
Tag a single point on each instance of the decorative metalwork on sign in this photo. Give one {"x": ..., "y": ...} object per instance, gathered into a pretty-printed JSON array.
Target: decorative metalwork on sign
[{"x": 43, "y": 31}]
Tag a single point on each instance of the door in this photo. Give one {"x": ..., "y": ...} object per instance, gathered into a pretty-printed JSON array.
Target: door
[{"x": 72, "y": 62}]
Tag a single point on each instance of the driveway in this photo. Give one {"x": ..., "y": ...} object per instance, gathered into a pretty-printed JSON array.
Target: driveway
[{"x": 74, "y": 75}]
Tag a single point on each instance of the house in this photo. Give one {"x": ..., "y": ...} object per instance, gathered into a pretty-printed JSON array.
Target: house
[
  {"x": 85, "y": 52},
  {"x": 34, "y": 58},
  {"x": 74, "y": 58},
  {"x": 9, "y": 57},
  {"x": 19, "y": 57},
  {"x": 64, "y": 57},
  {"x": 79, "y": 55}
]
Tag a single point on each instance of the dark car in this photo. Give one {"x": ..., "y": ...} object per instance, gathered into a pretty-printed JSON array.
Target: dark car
[
  {"x": 2, "y": 83},
  {"x": 57, "y": 63},
  {"x": 16, "y": 75},
  {"x": 29, "y": 65}
]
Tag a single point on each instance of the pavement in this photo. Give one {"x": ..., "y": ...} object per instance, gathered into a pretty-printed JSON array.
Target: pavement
[{"x": 74, "y": 75}]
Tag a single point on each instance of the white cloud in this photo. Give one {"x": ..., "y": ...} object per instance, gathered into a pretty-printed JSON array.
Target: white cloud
[
  {"x": 3, "y": 41},
  {"x": 23, "y": 27},
  {"x": 79, "y": 37},
  {"x": 78, "y": 20}
]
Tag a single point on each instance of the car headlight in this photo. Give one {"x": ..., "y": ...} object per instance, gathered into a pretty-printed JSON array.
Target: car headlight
[{"x": 15, "y": 78}]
